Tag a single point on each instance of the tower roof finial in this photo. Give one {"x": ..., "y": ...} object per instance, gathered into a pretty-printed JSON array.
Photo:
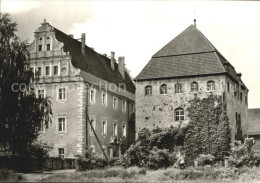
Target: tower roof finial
[{"x": 194, "y": 22}]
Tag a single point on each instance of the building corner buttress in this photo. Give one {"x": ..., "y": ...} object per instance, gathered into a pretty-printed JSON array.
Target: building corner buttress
[{"x": 81, "y": 122}]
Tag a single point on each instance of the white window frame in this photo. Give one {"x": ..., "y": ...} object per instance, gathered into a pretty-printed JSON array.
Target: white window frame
[
  {"x": 178, "y": 88},
  {"x": 124, "y": 130},
  {"x": 58, "y": 93},
  {"x": 211, "y": 86},
  {"x": 104, "y": 128},
  {"x": 194, "y": 87},
  {"x": 41, "y": 89},
  {"x": 49, "y": 70},
  {"x": 163, "y": 89},
  {"x": 124, "y": 104},
  {"x": 64, "y": 126},
  {"x": 104, "y": 99},
  {"x": 61, "y": 155},
  {"x": 92, "y": 117},
  {"x": 115, "y": 130},
  {"x": 179, "y": 114},
  {"x": 115, "y": 103},
  {"x": 93, "y": 101}
]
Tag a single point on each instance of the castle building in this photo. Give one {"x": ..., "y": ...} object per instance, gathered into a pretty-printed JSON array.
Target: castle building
[
  {"x": 254, "y": 126},
  {"x": 82, "y": 84},
  {"x": 188, "y": 66}
]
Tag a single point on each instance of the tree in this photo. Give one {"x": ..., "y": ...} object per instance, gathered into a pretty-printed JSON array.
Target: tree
[{"x": 21, "y": 113}]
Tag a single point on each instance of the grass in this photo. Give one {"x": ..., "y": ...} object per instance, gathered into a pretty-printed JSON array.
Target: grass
[
  {"x": 9, "y": 176},
  {"x": 135, "y": 174}
]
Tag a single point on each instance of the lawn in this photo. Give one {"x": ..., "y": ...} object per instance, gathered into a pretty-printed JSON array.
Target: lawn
[{"x": 135, "y": 174}]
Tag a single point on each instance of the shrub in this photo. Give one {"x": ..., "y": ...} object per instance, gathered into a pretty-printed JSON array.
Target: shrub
[
  {"x": 9, "y": 175},
  {"x": 90, "y": 161},
  {"x": 158, "y": 159},
  {"x": 206, "y": 159},
  {"x": 243, "y": 154}
]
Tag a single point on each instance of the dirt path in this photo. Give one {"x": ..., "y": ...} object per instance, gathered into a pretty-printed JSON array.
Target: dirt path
[{"x": 37, "y": 177}]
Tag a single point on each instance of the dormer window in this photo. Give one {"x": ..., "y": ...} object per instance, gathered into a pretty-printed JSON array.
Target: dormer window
[
  {"x": 40, "y": 38},
  {"x": 48, "y": 37}
]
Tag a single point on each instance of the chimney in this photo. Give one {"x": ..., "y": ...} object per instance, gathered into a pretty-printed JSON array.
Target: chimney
[
  {"x": 121, "y": 66},
  {"x": 239, "y": 75},
  {"x": 112, "y": 62},
  {"x": 83, "y": 39},
  {"x": 71, "y": 35}
]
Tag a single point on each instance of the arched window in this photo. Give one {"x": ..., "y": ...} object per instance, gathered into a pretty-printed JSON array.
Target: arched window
[
  {"x": 179, "y": 114},
  {"x": 163, "y": 89},
  {"x": 194, "y": 87},
  {"x": 211, "y": 86},
  {"x": 148, "y": 90},
  {"x": 40, "y": 38},
  {"x": 178, "y": 88}
]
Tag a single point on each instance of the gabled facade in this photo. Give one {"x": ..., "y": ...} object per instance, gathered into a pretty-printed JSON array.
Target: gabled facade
[
  {"x": 188, "y": 66},
  {"x": 81, "y": 84}
]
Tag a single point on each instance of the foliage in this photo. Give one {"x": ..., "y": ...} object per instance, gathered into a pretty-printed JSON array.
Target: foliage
[
  {"x": 208, "y": 131},
  {"x": 9, "y": 176},
  {"x": 205, "y": 159},
  {"x": 242, "y": 154},
  {"x": 20, "y": 111},
  {"x": 90, "y": 161},
  {"x": 158, "y": 158}
]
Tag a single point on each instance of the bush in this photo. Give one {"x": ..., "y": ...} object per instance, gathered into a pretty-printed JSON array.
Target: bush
[
  {"x": 90, "y": 161},
  {"x": 158, "y": 159},
  {"x": 9, "y": 175},
  {"x": 242, "y": 154},
  {"x": 206, "y": 159}
]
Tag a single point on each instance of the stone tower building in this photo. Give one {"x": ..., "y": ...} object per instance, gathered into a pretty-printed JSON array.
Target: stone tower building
[
  {"x": 82, "y": 83},
  {"x": 188, "y": 66}
]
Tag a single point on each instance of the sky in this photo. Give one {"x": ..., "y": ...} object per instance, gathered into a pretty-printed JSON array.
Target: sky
[{"x": 138, "y": 29}]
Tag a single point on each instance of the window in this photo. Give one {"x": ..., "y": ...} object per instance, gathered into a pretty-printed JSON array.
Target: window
[
  {"x": 48, "y": 48},
  {"x": 55, "y": 70},
  {"x": 235, "y": 90},
  {"x": 124, "y": 130},
  {"x": 93, "y": 123},
  {"x": 92, "y": 95},
  {"x": 148, "y": 90},
  {"x": 179, "y": 114},
  {"x": 104, "y": 126},
  {"x": 48, "y": 38},
  {"x": 41, "y": 127},
  {"x": 62, "y": 94},
  {"x": 39, "y": 47},
  {"x": 115, "y": 128},
  {"x": 246, "y": 99},
  {"x": 123, "y": 105},
  {"x": 228, "y": 86},
  {"x": 32, "y": 69},
  {"x": 194, "y": 87},
  {"x": 62, "y": 124},
  {"x": 163, "y": 89},
  {"x": 241, "y": 96},
  {"x": 47, "y": 70},
  {"x": 39, "y": 71},
  {"x": 210, "y": 86},
  {"x": 61, "y": 152},
  {"x": 104, "y": 99},
  {"x": 41, "y": 93},
  {"x": 178, "y": 88},
  {"x": 115, "y": 103}
]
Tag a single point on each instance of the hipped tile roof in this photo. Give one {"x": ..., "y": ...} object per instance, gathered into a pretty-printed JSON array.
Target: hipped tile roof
[
  {"x": 93, "y": 63},
  {"x": 188, "y": 54}
]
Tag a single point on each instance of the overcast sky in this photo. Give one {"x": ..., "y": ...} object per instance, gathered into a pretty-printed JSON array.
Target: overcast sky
[{"x": 138, "y": 29}]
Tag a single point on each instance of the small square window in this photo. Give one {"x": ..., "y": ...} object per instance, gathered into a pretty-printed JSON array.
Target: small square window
[{"x": 61, "y": 152}]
